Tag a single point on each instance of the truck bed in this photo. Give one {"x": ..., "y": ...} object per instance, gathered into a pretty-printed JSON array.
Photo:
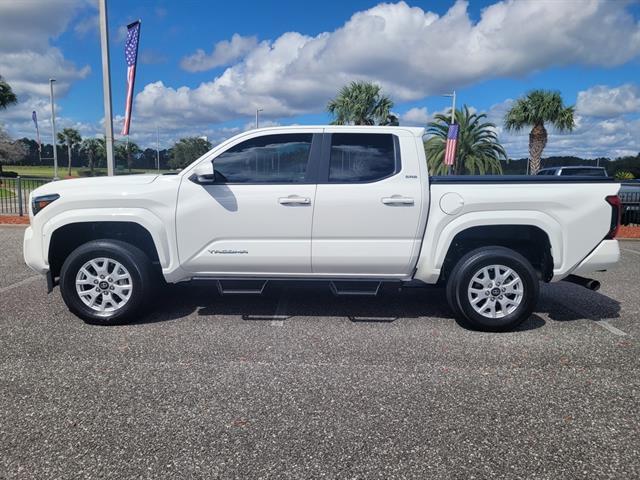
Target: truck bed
[{"x": 489, "y": 179}]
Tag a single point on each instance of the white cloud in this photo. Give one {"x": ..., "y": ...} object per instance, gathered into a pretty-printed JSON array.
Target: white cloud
[
  {"x": 604, "y": 101},
  {"x": 27, "y": 59},
  {"x": 224, "y": 53},
  {"x": 415, "y": 116},
  {"x": 409, "y": 52}
]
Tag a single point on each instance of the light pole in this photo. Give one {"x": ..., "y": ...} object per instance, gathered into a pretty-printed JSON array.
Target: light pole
[
  {"x": 453, "y": 118},
  {"x": 53, "y": 130},
  {"x": 158, "y": 147},
  {"x": 453, "y": 105},
  {"x": 106, "y": 86},
  {"x": 258, "y": 110}
]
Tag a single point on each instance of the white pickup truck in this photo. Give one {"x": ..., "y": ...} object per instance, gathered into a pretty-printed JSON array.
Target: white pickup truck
[{"x": 352, "y": 206}]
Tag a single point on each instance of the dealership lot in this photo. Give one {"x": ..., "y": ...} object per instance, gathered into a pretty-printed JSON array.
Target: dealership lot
[{"x": 301, "y": 384}]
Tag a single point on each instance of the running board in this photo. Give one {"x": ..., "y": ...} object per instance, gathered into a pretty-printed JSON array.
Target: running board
[
  {"x": 340, "y": 288},
  {"x": 241, "y": 287}
]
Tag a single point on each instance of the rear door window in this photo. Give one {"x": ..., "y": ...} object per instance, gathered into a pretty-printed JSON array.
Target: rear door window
[{"x": 362, "y": 157}]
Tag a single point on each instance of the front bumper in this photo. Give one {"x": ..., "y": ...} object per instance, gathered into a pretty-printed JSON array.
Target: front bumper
[
  {"x": 603, "y": 257},
  {"x": 32, "y": 252}
]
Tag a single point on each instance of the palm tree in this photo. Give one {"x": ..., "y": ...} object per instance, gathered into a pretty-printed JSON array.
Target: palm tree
[
  {"x": 94, "y": 149},
  {"x": 71, "y": 137},
  {"x": 478, "y": 148},
  {"x": 361, "y": 103},
  {"x": 534, "y": 109},
  {"x": 127, "y": 152},
  {"x": 7, "y": 97}
]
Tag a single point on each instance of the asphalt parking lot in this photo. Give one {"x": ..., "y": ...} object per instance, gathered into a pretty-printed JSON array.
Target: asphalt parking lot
[{"x": 301, "y": 384}]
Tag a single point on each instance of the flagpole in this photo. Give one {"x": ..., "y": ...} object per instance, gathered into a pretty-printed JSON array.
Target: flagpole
[
  {"x": 53, "y": 130},
  {"x": 106, "y": 86},
  {"x": 453, "y": 120}
]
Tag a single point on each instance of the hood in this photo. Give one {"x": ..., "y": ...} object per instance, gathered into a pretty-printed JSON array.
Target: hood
[{"x": 93, "y": 183}]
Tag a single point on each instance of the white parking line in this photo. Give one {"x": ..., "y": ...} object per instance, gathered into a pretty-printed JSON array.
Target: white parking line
[
  {"x": 632, "y": 251},
  {"x": 606, "y": 325},
  {"x": 20, "y": 283}
]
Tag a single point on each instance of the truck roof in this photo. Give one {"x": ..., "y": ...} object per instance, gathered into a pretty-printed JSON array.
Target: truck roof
[{"x": 417, "y": 131}]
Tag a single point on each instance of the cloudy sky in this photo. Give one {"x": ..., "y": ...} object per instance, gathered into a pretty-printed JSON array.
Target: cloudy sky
[{"x": 204, "y": 67}]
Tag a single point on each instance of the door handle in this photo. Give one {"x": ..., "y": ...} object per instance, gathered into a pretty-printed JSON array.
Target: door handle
[
  {"x": 397, "y": 200},
  {"x": 294, "y": 200}
]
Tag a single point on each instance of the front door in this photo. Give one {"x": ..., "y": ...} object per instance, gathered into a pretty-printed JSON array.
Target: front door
[{"x": 256, "y": 218}]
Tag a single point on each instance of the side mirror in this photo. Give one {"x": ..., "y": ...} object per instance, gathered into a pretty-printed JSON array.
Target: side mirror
[{"x": 204, "y": 173}]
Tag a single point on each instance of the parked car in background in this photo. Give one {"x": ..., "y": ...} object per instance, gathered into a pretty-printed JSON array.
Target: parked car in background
[
  {"x": 352, "y": 206},
  {"x": 575, "y": 171}
]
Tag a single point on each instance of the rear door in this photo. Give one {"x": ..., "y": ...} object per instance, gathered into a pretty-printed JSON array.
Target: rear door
[
  {"x": 256, "y": 218},
  {"x": 368, "y": 205}
]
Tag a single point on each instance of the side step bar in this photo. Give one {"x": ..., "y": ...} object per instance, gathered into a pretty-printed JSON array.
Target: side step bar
[
  {"x": 340, "y": 288},
  {"x": 241, "y": 287}
]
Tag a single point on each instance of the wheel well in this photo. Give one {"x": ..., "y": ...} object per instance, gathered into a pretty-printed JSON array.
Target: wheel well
[
  {"x": 67, "y": 238},
  {"x": 529, "y": 241}
]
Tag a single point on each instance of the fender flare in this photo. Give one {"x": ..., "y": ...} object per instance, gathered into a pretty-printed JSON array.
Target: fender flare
[
  {"x": 440, "y": 235},
  {"x": 145, "y": 218}
]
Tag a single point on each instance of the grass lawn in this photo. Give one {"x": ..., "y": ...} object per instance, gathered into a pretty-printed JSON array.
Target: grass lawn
[
  {"x": 4, "y": 193},
  {"x": 47, "y": 171}
]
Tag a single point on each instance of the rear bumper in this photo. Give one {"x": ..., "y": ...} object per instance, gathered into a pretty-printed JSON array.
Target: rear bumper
[{"x": 604, "y": 257}]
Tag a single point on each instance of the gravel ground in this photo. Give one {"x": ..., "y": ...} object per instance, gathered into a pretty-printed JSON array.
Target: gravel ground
[{"x": 300, "y": 384}]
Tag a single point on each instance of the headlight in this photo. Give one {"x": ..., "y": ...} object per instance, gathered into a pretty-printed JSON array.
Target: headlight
[{"x": 38, "y": 203}]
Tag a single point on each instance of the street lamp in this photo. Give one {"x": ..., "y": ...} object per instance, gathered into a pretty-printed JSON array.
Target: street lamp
[
  {"x": 453, "y": 105},
  {"x": 258, "y": 110},
  {"x": 53, "y": 130}
]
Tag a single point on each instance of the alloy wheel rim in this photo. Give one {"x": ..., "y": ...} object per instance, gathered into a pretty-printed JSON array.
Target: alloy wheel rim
[
  {"x": 104, "y": 285},
  {"x": 495, "y": 291}
]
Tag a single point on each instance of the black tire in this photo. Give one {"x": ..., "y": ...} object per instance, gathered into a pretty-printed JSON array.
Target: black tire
[
  {"x": 130, "y": 257},
  {"x": 471, "y": 263}
]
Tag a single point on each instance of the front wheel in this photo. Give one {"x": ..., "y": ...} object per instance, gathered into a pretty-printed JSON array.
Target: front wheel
[
  {"x": 493, "y": 289},
  {"x": 106, "y": 282}
]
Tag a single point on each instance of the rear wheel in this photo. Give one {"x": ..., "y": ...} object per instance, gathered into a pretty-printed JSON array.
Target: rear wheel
[
  {"x": 493, "y": 289},
  {"x": 106, "y": 282}
]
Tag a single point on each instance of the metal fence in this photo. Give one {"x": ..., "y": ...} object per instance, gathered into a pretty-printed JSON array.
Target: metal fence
[
  {"x": 630, "y": 208},
  {"x": 14, "y": 194}
]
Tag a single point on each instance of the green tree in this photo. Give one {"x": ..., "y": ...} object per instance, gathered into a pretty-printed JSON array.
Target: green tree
[
  {"x": 624, "y": 175},
  {"x": 94, "y": 150},
  {"x": 188, "y": 149},
  {"x": 7, "y": 97},
  {"x": 361, "y": 103},
  {"x": 10, "y": 152},
  {"x": 70, "y": 137},
  {"x": 127, "y": 153},
  {"x": 478, "y": 148},
  {"x": 535, "y": 109}
]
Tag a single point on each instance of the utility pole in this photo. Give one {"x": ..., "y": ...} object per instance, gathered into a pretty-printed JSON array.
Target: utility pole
[
  {"x": 258, "y": 110},
  {"x": 106, "y": 85},
  {"x": 53, "y": 130}
]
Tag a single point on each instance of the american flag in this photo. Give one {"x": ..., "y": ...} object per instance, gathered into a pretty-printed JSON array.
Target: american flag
[
  {"x": 34, "y": 117},
  {"x": 131, "y": 55},
  {"x": 452, "y": 142}
]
